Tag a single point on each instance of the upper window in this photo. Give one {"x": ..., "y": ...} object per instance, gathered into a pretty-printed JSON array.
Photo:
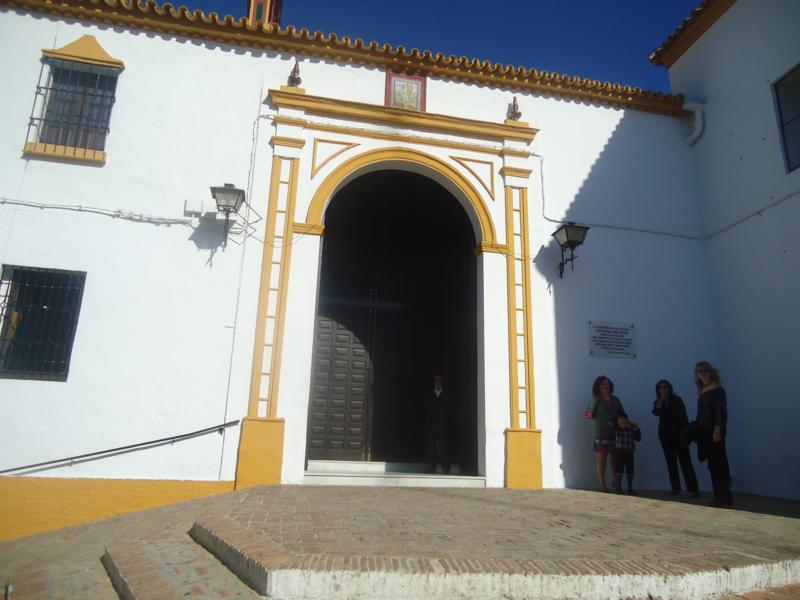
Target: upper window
[
  {"x": 787, "y": 92},
  {"x": 38, "y": 318},
  {"x": 72, "y": 108}
]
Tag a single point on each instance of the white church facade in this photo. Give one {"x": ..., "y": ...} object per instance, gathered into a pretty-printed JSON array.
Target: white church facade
[{"x": 396, "y": 223}]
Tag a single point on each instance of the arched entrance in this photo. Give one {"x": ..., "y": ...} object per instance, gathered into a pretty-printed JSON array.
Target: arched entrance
[{"x": 396, "y": 304}]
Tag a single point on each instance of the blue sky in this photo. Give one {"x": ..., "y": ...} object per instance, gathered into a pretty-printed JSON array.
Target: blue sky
[{"x": 601, "y": 39}]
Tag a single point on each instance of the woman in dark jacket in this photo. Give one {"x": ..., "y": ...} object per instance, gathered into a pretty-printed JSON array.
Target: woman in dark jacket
[
  {"x": 712, "y": 422},
  {"x": 672, "y": 419}
]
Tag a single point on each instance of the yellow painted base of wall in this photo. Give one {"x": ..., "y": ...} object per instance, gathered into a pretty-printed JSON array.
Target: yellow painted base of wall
[
  {"x": 524, "y": 458},
  {"x": 34, "y": 504},
  {"x": 260, "y": 452}
]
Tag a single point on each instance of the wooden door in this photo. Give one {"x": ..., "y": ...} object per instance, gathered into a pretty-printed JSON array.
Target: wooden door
[{"x": 340, "y": 384}]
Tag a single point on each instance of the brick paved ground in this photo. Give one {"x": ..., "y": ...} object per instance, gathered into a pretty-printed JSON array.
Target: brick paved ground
[{"x": 407, "y": 530}]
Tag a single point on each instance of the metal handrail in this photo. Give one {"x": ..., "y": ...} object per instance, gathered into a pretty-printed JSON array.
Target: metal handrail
[{"x": 175, "y": 438}]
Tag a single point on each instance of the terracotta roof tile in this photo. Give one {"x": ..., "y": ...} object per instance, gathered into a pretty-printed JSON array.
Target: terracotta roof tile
[{"x": 146, "y": 14}]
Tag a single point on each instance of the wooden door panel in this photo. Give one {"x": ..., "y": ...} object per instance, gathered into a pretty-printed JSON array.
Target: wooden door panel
[{"x": 339, "y": 387}]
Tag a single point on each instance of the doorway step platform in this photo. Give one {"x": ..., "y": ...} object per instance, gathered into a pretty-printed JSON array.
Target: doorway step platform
[{"x": 332, "y": 472}]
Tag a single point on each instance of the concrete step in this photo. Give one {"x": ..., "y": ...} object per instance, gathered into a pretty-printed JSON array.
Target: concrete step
[
  {"x": 362, "y": 467},
  {"x": 394, "y": 480},
  {"x": 170, "y": 566}
]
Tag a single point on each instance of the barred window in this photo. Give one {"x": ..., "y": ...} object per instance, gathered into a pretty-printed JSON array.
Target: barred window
[
  {"x": 787, "y": 92},
  {"x": 75, "y": 101},
  {"x": 77, "y": 106},
  {"x": 72, "y": 106},
  {"x": 38, "y": 318}
]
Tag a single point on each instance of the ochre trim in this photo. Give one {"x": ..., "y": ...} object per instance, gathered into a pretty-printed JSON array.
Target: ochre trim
[
  {"x": 31, "y": 505},
  {"x": 279, "y": 288},
  {"x": 487, "y": 247},
  {"x": 513, "y": 382},
  {"x": 515, "y": 172},
  {"x": 263, "y": 293},
  {"x": 88, "y": 50},
  {"x": 286, "y": 262},
  {"x": 65, "y": 153},
  {"x": 523, "y": 458},
  {"x": 688, "y": 32},
  {"x": 260, "y": 458},
  {"x": 289, "y": 142},
  {"x": 530, "y": 397},
  {"x": 327, "y": 188},
  {"x": 392, "y": 137},
  {"x": 399, "y": 117},
  {"x": 308, "y": 229},
  {"x": 315, "y": 167},
  {"x": 464, "y": 162}
]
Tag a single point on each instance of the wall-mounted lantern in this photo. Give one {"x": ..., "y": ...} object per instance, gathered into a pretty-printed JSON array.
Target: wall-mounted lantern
[
  {"x": 569, "y": 236},
  {"x": 229, "y": 200}
]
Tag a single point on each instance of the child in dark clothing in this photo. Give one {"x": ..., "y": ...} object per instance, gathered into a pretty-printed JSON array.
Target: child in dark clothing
[{"x": 626, "y": 434}]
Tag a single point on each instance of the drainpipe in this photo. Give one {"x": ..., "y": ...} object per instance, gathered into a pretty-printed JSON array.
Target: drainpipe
[{"x": 696, "y": 109}]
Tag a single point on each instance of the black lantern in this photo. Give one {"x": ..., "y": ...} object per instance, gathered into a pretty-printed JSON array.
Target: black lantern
[
  {"x": 229, "y": 200},
  {"x": 569, "y": 236}
]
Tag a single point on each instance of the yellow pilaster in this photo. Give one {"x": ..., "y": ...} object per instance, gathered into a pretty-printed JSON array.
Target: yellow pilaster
[
  {"x": 523, "y": 440},
  {"x": 260, "y": 456}
]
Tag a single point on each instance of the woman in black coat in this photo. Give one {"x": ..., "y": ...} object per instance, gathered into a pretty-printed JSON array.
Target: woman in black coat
[
  {"x": 672, "y": 419},
  {"x": 712, "y": 425}
]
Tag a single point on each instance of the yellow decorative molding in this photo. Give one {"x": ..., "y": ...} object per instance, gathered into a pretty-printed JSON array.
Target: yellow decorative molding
[
  {"x": 513, "y": 123},
  {"x": 167, "y": 19},
  {"x": 688, "y": 32},
  {"x": 389, "y": 136},
  {"x": 465, "y": 162},
  {"x": 515, "y": 172},
  {"x": 399, "y": 117},
  {"x": 289, "y": 142},
  {"x": 309, "y": 228},
  {"x": 86, "y": 49},
  {"x": 66, "y": 153},
  {"x": 316, "y": 166},
  {"x": 329, "y": 186},
  {"x": 487, "y": 247},
  {"x": 31, "y": 505},
  {"x": 515, "y": 153},
  {"x": 278, "y": 232}
]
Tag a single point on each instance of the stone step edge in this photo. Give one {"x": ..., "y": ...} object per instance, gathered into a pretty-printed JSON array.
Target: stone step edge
[
  {"x": 241, "y": 551},
  {"x": 121, "y": 585},
  {"x": 350, "y": 585}
]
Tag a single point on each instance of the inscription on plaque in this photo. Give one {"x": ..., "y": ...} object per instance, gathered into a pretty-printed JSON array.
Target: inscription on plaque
[{"x": 612, "y": 340}]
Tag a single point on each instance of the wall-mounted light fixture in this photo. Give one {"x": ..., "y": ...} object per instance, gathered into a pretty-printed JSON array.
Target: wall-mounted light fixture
[
  {"x": 229, "y": 200},
  {"x": 569, "y": 236}
]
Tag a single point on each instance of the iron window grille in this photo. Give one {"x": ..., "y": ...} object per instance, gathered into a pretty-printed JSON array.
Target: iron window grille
[
  {"x": 787, "y": 94},
  {"x": 72, "y": 105},
  {"x": 38, "y": 317}
]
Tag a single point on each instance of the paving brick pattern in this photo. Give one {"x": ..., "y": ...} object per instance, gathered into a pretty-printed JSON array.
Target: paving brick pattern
[{"x": 411, "y": 530}]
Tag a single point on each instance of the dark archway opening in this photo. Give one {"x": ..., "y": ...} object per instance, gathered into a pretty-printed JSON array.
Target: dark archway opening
[{"x": 397, "y": 304}]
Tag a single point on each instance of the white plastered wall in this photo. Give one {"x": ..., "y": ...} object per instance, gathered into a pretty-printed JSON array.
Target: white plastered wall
[{"x": 751, "y": 208}]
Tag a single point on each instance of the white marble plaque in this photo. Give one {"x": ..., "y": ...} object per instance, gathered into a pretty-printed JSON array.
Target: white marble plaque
[{"x": 612, "y": 340}]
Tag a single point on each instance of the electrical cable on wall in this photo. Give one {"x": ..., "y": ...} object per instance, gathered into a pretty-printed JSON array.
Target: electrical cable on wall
[{"x": 700, "y": 238}]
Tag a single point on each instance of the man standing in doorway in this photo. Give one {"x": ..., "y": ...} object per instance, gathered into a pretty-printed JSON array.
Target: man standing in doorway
[{"x": 436, "y": 413}]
